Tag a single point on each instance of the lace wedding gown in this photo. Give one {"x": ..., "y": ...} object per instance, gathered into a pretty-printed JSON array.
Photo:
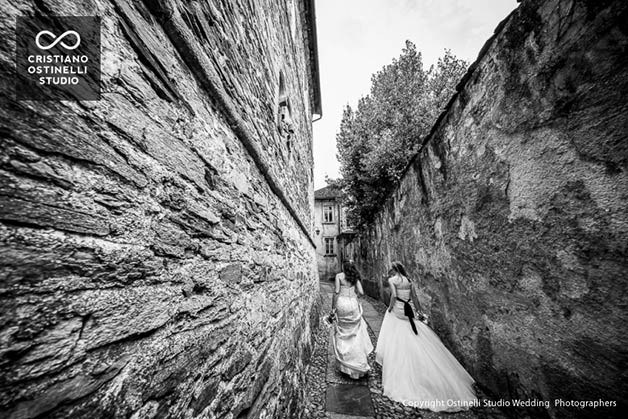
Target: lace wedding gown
[
  {"x": 351, "y": 340},
  {"x": 417, "y": 369}
]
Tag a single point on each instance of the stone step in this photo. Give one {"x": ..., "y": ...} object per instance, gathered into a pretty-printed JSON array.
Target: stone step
[{"x": 349, "y": 399}]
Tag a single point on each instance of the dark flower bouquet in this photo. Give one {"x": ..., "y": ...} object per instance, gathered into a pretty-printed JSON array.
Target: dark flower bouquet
[
  {"x": 331, "y": 318},
  {"x": 422, "y": 317}
]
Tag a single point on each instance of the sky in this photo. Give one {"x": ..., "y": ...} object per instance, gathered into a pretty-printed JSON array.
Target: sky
[{"x": 356, "y": 38}]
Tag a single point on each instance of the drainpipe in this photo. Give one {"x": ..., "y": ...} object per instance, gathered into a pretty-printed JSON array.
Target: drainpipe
[{"x": 338, "y": 235}]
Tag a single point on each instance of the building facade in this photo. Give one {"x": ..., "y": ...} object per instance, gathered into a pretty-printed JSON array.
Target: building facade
[{"x": 331, "y": 232}]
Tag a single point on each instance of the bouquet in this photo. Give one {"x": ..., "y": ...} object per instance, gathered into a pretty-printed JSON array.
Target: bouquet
[
  {"x": 330, "y": 319},
  {"x": 422, "y": 317}
]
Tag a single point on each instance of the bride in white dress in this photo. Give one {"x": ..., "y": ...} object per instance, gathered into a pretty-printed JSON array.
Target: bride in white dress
[
  {"x": 352, "y": 343},
  {"x": 417, "y": 369}
]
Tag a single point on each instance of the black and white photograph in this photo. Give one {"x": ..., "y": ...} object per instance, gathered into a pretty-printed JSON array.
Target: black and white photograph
[{"x": 313, "y": 209}]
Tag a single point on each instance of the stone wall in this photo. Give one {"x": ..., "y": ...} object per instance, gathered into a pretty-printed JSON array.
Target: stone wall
[
  {"x": 156, "y": 258},
  {"x": 513, "y": 215}
]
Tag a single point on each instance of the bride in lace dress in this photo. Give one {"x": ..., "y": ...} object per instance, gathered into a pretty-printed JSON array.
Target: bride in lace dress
[
  {"x": 417, "y": 369},
  {"x": 351, "y": 340}
]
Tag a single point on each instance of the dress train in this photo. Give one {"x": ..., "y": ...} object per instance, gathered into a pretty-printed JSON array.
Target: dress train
[
  {"x": 352, "y": 344},
  {"x": 418, "y": 370}
]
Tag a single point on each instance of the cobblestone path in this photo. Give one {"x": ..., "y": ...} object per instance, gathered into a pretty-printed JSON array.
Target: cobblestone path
[{"x": 330, "y": 394}]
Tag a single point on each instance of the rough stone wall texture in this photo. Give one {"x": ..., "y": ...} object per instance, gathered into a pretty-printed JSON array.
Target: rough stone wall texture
[
  {"x": 147, "y": 268},
  {"x": 513, "y": 215}
]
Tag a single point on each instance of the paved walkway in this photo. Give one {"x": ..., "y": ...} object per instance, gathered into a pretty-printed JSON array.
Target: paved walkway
[{"x": 331, "y": 394}]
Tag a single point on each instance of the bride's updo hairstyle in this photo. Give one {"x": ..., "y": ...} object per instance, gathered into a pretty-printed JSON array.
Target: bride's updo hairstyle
[
  {"x": 351, "y": 273},
  {"x": 399, "y": 268}
]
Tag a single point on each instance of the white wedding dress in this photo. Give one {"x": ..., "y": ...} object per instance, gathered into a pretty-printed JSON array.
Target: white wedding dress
[
  {"x": 352, "y": 343},
  {"x": 417, "y": 369}
]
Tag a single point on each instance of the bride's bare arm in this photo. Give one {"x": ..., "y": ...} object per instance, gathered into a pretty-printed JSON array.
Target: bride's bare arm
[
  {"x": 415, "y": 298},
  {"x": 358, "y": 287},
  {"x": 393, "y": 295},
  {"x": 336, "y": 292}
]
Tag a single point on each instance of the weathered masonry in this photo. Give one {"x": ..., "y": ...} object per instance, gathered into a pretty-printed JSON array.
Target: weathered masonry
[
  {"x": 513, "y": 215},
  {"x": 156, "y": 250}
]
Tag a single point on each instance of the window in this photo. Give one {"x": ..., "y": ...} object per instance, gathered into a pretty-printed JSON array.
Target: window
[
  {"x": 328, "y": 213},
  {"x": 284, "y": 117},
  {"x": 284, "y": 113},
  {"x": 283, "y": 104},
  {"x": 329, "y": 245}
]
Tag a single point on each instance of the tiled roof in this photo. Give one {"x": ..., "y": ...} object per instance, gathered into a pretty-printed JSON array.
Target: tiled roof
[{"x": 328, "y": 192}]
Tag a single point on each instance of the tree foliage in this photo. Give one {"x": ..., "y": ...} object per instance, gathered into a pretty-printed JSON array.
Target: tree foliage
[{"x": 377, "y": 139}]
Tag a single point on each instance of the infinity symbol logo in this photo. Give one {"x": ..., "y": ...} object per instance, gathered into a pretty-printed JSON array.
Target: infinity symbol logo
[{"x": 58, "y": 40}]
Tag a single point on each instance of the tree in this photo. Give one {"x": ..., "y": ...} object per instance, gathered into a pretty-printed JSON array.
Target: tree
[
  {"x": 376, "y": 141},
  {"x": 444, "y": 78}
]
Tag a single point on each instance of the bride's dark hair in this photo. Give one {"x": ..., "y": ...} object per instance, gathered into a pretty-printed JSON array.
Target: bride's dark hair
[
  {"x": 351, "y": 273},
  {"x": 399, "y": 268}
]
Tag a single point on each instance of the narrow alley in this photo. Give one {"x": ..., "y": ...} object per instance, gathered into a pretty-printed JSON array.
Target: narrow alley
[{"x": 168, "y": 231}]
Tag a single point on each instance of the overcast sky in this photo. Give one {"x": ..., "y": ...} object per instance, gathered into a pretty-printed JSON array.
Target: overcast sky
[{"x": 356, "y": 38}]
